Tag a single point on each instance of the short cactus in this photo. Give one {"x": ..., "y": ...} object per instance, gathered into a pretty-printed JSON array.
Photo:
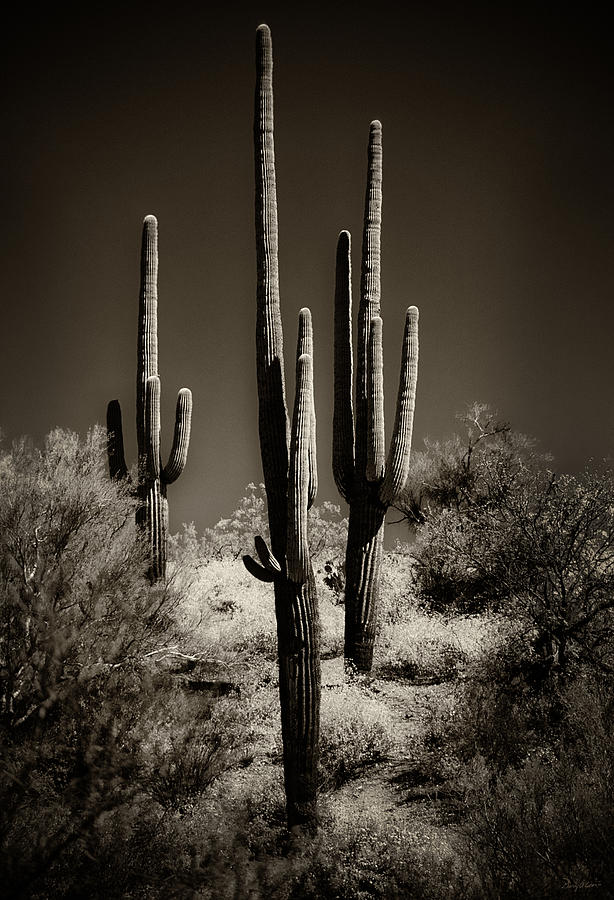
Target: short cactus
[
  {"x": 289, "y": 467},
  {"x": 365, "y": 478},
  {"x": 152, "y": 477}
]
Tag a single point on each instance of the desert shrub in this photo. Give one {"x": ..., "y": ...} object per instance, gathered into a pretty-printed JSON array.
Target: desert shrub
[
  {"x": 452, "y": 474},
  {"x": 332, "y": 625},
  {"x": 532, "y": 769},
  {"x": 232, "y": 840},
  {"x": 500, "y": 708},
  {"x": 483, "y": 718},
  {"x": 79, "y": 621},
  {"x": 424, "y": 645},
  {"x": 327, "y": 540},
  {"x": 232, "y": 537},
  {"x": 245, "y": 852},
  {"x": 545, "y": 827},
  {"x": 365, "y": 856},
  {"x": 397, "y": 592},
  {"x": 203, "y": 801},
  {"x": 191, "y": 762},
  {"x": 519, "y": 538},
  {"x": 60, "y": 780},
  {"x": 355, "y": 732},
  {"x": 69, "y": 561},
  {"x": 228, "y": 612},
  {"x": 420, "y": 647}
]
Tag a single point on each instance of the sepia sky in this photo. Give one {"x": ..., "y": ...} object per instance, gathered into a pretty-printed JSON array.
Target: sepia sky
[{"x": 498, "y": 216}]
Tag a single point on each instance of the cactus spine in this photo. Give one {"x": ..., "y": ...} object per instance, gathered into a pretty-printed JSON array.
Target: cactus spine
[
  {"x": 152, "y": 477},
  {"x": 289, "y": 467},
  {"x": 368, "y": 480}
]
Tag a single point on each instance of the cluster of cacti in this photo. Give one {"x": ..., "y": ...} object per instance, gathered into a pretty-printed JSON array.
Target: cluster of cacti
[
  {"x": 152, "y": 477},
  {"x": 368, "y": 480},
  {"x": 289, "y": 467}
]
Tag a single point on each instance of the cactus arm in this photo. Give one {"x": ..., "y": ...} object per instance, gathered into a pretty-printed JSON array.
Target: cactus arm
[
  {"x": 304, "y": 342},
  {"x": 152, "y": 426},
  {"x": 298, "y": 486},
  {"x": 257, "y": 570},
  {"x": 376, "y": 452},
  {"x": 372, "y": 226},
  {"x": 272, "y": 411},
  {"x": 181, "y": 438},
  {"x": 266, "y": 557},
  {"x": 343, "y": 414},
  {"x": 115, "y": 442},
  {"x": 147, "y": 356},
  {"x": 397, "y": 466},
  {"x": 369, "y": 286},
  {"x": 305, "y": 345}
]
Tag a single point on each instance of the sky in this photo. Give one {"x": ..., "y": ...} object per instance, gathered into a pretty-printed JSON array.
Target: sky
[{"x": 498, "y": 216}]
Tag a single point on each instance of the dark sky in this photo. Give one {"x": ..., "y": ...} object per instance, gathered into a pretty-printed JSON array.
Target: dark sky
[{"x": 498, "y": 218}]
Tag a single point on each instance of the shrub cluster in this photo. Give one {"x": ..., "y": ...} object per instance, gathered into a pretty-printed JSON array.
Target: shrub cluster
[{"x": 140, "y": 732}]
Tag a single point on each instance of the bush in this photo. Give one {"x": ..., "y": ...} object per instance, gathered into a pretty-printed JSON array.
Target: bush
[
  {"x": 533, "y": 770},
  {"x": 184, "y": 761},
  {"x": 398, "y": 596},
  {"x": 356, "y": 731},
  {"x": 227, "y": 612},
  {"x": 523, "y": 540},
  {"x": 421, "y": 648},
  {"x": 79, "y": 620},
  {"x": 427, "y": 646},
  {"x": 545, "y": 829},
  {"x": 365, "y": 856},
  {"x": 72, "y": 594}
]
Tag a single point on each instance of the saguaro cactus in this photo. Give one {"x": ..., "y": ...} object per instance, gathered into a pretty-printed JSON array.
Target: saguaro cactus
[
  {"x": 365, "y": 478},
  {"x": 289, "y": 467},
  {"x": 153, "y": 478}
]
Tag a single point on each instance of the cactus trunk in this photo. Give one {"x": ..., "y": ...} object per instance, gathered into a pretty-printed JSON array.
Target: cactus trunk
[
  {"x": 289, "y": 468},
  {"x": 296, "y": 609},
  {"x": 368, "y": 480},
  {"x": 363, "y": 563},
  {"x": 152, "y": 520}
]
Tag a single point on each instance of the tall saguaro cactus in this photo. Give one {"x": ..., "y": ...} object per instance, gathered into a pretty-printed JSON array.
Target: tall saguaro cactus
[
  {"x": 368, "y": 480},
  {"x": 153, "y": 477},
  {"x": 289, "y": 467}
]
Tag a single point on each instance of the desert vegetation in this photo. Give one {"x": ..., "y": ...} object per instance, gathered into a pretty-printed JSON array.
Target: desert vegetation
[
  {"x": 142, "y": 751},
  {"x": 334, "y": 718}
]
